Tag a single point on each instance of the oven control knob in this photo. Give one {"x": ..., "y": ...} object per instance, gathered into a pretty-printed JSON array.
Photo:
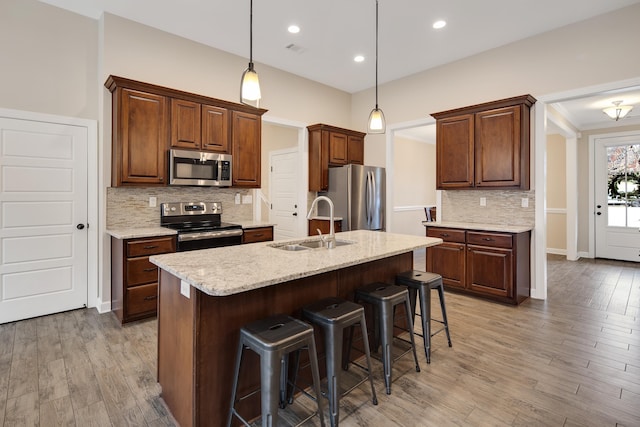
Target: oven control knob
[{"x": 173, "y": 208}]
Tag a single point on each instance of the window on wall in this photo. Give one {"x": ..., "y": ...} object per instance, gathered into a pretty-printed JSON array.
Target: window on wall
[{"x": 623, "y": 183}]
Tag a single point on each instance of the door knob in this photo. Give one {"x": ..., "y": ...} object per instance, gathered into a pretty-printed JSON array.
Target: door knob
[
  {"x": 598, "y": 213},
  {"x": 80, "y": 226},
  {"x": 599, "y": 206},
  {"x": 295, "y": 214}
]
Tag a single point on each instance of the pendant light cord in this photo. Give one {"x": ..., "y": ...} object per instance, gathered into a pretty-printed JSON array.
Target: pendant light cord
[
  {"x": 251, "y": 34},
  {"x": 376, "y": 54}
]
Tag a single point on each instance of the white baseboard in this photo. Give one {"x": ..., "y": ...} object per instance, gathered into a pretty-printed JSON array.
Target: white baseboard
[
  {"x": 583, "y": 255},
  {"x": 103, "y": 307},
  {"x": 556, "y": 251}
]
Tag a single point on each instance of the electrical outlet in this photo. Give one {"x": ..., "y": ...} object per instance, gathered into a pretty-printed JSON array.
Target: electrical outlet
[
  {"x": 153, "y": 202},
  {"x": 237, "y": 199},
  {"x": 525, "y": 202},
  {"x": 185, "y": 289},
  {"x": 483, "y": 201},
  {"x": 247, "y": 200}
]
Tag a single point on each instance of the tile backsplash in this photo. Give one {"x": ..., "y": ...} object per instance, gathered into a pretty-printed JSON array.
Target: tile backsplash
[
  {"x": 129, "y": 206},
  {"x": 503, "y": 207}
]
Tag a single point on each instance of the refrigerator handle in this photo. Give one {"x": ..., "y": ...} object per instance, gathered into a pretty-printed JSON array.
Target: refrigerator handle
[
  {"x": 370, "y": 196},
  {"x": 373, "y": 197}
]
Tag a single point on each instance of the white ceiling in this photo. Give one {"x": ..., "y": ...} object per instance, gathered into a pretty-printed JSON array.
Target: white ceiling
[{"x": 334, "y": 31}]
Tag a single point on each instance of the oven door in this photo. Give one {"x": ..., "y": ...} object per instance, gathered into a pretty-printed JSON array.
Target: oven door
[{"x": 208, "y": 239}]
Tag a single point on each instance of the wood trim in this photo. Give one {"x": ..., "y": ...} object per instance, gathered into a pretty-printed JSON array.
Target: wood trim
[
  {"x": 114, "y": 82},
  {"x": 527, "y": 100}
]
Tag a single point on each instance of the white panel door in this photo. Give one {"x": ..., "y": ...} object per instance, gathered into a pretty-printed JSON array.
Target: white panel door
[
  {"x": 617, "y": 188},
  {"x": 43, "y": 218},
  {"x": 283, "y": 182}
]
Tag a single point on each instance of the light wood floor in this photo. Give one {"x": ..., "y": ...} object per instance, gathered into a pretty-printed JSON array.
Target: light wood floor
[{"x": 573, "y": 360}]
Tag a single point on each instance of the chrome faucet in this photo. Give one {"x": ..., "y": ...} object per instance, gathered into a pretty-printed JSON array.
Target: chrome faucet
[{"x": 330, "y": 240}]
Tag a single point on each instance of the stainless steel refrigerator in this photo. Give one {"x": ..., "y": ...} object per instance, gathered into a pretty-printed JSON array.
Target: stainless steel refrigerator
[{"x": 358, "y": 194}]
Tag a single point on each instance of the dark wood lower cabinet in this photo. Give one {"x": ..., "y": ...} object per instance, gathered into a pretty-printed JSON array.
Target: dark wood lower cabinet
[
  {"x": 134, "y": 280},
  {"x": 260, "y": 234},
  {"x": 488, "y": 264}
]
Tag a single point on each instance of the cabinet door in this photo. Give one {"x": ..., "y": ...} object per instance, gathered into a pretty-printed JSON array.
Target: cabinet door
[
  {"x": 185, "y": 124},
  {"x": 246, "y": 130},
  {"x": 490, "y": 270},
  {"x": 338, "y": 153},
  {"x": 141, "y": 139},
  {"x": 215, "y": 129},
  {"x": 324, "y": 226},
  {"x": 448, "y": 260},
  {"x": 454, "y": 152},
  {"x": 355, "y": 147},
  {"x": 262, "y": 234},
  {"x": 497, "y": 145},
  {"x": 318, "y": 160}
]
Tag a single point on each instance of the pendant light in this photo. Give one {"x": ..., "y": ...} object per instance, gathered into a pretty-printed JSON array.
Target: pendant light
[
  {"x": 618, "y": 111},
  {"x": 250, "y": 85},
  {"x": 377, "y": 123}
]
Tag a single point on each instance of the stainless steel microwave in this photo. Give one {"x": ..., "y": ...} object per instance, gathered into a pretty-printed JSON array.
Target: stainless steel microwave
[{"x": 199, "y": 168}]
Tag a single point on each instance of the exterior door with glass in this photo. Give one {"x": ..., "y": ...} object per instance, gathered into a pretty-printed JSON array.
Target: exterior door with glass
[{"x": 617, "y": 197}]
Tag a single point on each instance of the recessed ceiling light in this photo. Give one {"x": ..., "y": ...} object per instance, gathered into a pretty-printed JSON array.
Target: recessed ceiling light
[
  {"x": 293, "y": 29},
  {"x": 439, "y": 24},
  {"x": 358, "y": 58}
]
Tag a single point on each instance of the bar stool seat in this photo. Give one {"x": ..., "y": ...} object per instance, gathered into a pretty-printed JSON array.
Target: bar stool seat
[
  {"x": 420, "y": 283},
  {"x": 273, "y": 339},
  {"x": 384, "y": 298},
  {"x": 333, "y": 315}
]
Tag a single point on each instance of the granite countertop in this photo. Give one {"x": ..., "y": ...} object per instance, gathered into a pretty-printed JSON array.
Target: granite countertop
[
  {"x": 479, "y": 226},
  {"x": 253, "y": 224},
  {"x": 235, "y": 269},
  {"x": 132, "y": 233}
]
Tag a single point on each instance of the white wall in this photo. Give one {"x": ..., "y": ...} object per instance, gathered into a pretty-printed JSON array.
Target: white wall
[{"x": 414, "y": 184}]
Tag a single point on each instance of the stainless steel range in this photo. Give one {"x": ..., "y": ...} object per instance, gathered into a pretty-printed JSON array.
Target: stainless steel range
[{"x": 199, "y": 225}]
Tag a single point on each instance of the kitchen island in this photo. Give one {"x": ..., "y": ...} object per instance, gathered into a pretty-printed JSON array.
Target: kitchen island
[{"x": 206, "y": 296}]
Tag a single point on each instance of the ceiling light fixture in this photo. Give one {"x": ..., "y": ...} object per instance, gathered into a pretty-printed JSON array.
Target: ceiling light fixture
[
  {"x": 618, "y": 111},
  {"x": 358, "y": 58},
  {"x": 249, "y": 84},
  {"x": 293, "y": 29},
  {"x": 377, "y": 123},
  {"x": 439, "y": 24}
]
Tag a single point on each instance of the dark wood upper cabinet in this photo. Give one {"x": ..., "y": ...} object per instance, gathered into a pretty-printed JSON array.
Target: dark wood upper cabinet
[
  {"x": 331, "y": 146},
  {"x": 141, "y": 129},
  {"x": 485, "y": 145},
  {"x": 215, "y": 129},
  {"x": 246, "y": 145},
  {"x": 355, "y": 147},
  {"x": 150, "y": 119},
  {"x": 338, "y": 151},
  {"x": 454, "y": 152},
  {"x": 185, "y": 124}
]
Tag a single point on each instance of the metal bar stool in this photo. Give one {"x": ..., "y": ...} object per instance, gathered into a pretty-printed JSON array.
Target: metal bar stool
[
  {"x": 273, "y": 339},
  {"x": 384, "y": 298},
  {"x": 333, "y": 315},
  {"x": 421, "y": 283}
]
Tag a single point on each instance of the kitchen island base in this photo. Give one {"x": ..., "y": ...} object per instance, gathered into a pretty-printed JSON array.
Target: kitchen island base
[{"x": 198, "y": 335}]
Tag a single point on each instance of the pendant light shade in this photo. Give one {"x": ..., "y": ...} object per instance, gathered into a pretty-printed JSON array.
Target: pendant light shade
[
  {"x": 377, "y": 123},
  {"x": 618, "y": 111},
  {"x": 250, "y": 84}
]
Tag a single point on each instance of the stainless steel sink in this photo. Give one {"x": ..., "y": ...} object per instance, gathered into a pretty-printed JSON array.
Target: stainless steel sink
[
  {"x": 306, "y": 245},
  {"x": 291, "y": 247},
  {"x": 314, "y": 244}
]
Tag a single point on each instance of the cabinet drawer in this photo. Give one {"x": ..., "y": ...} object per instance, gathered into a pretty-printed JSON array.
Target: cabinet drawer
[
  {"x": 495, "y": 240},
  {"x": 159, "y": 245},
  {"x": 140, "y": 271},
  {"x": 142, "y": 299},
  {"x": 447, "y": 234},
  {"x": 258, "y": 235}
]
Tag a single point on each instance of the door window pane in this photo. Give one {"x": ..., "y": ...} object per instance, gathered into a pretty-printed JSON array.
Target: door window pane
[{"x": 623, "y": 183}]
